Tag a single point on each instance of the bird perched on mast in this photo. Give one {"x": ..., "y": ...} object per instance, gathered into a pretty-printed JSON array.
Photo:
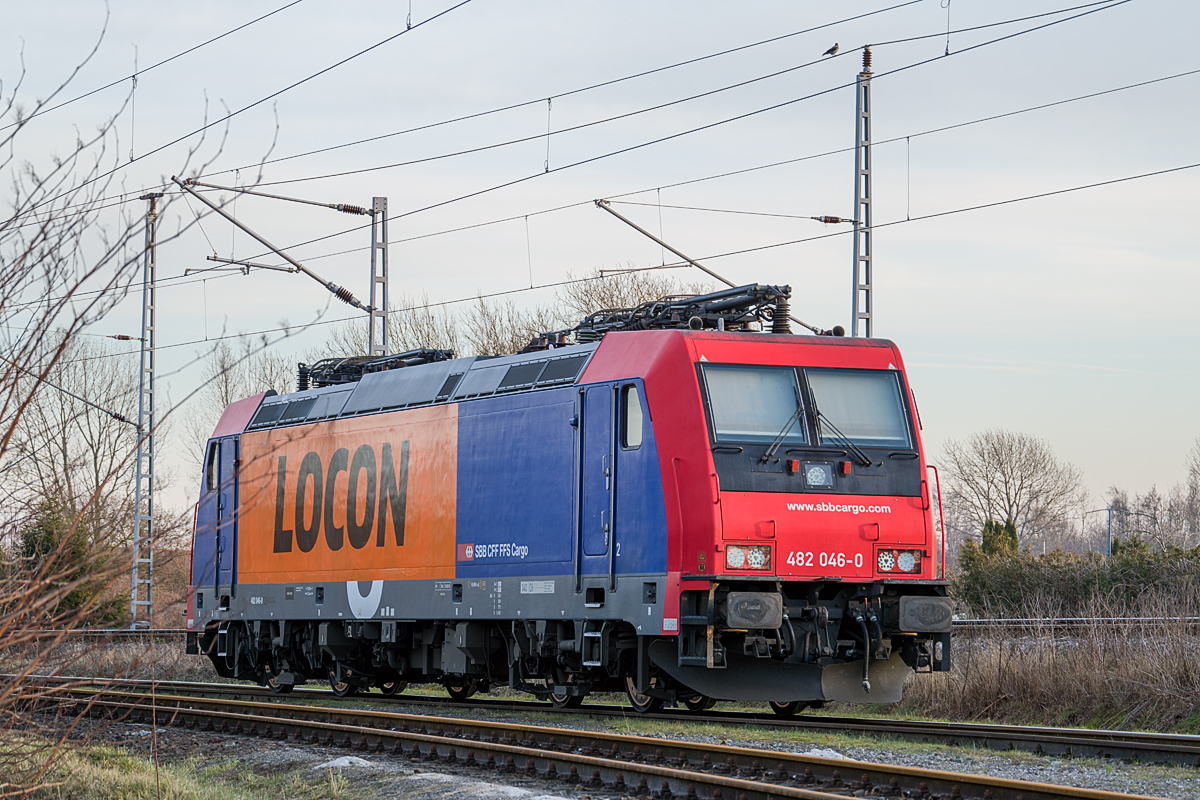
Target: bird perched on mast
[{"x": 831, "y": 51}]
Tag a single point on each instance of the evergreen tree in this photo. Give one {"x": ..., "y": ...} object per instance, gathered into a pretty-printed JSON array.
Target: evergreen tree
[{"x": 999, "y": 539}]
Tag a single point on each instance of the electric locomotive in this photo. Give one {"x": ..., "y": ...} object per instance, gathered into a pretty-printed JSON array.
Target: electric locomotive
[{"x": 684, "y": 501}]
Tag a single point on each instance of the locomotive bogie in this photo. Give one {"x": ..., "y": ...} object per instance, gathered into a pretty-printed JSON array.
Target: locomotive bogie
[{"x": 683, "y": 516}]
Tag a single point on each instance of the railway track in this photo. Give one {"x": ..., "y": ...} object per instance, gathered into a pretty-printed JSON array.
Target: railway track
[
  {"x": 587, "y": 760},
  {"x": 1152, "y": 748}
]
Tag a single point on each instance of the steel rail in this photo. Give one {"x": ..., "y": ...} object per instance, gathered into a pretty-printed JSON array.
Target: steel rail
[
  {"x": 1143, "y": 747},
  {"x": 699, "y": 770}
]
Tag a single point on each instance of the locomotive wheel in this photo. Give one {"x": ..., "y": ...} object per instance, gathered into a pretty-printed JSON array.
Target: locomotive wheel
[
  {"x": 393, "y": 687},
  {"x": 275, "y": 686},
  {"x": 642, "y": 703},
  {"x": 788, "y": 709},
  {"x": 341, "y": 688},
  {"x": 698, "y": 703},
  {"x": 560, "y": 698},
  {"x": 460, "y": 688}
]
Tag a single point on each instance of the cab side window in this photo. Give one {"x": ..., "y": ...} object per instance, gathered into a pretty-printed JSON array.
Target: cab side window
[
  {"x": 631, "y": 413},
  {"x": 211, "y": 467}
]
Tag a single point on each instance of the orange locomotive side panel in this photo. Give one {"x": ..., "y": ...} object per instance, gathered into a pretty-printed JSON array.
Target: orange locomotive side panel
[{"x": 299, "y": 521}]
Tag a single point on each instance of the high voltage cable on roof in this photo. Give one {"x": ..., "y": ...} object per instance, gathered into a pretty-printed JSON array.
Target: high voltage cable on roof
[
  {"x": 707, "y": 126},
  {"x": 256, "y": 103},
  {"x": 680, "y": 265},
  {"x": 141, "y": 72}
]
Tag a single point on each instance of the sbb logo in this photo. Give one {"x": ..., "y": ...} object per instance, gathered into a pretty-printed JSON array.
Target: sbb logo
[
  {"x": 466, "y": 552},
  {"x": 375, "y": 477}
]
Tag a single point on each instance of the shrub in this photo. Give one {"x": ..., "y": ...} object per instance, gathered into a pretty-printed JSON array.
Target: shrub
[{"x": 1010, "y": 583}]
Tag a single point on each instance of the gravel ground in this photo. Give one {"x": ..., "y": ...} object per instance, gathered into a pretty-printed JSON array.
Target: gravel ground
[
  {"x": 388, "y": 777},
  {"x": 376, "y": 776},
  {"x": 1177, "y": 783}
]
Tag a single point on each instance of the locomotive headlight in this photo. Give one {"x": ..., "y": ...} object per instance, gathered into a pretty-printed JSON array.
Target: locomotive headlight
[
  {"x": 898, "y": 561},
  {"x": 747, "y": 556},
  {"x": 756, "y": 558}
]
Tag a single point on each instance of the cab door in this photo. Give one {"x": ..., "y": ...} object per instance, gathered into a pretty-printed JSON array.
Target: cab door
[
  {"x": 226, "y": 511},
  {"x": 596, "y": 478},
  {"x": 204, "y": 550}
]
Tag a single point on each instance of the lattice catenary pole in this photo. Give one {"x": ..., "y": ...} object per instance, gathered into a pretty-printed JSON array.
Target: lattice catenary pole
[
  {"x": 141, "y": 598},
  {"x": 379, "y": 278},
  {"x": 863, "y": 307}
]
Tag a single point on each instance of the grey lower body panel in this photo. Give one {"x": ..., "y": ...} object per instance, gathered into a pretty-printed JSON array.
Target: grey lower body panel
[
  {"x": 454, "y": 599},
  {"x": 763, "y": 679}
]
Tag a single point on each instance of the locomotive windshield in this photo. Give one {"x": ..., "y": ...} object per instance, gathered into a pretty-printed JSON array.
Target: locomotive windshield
[
  {"x": 863, "y": 405},
  {"x": 754, "y": 404}
]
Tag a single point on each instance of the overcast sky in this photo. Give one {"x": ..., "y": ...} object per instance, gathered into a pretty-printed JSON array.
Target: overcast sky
[{"x": 1071, "y": 317}]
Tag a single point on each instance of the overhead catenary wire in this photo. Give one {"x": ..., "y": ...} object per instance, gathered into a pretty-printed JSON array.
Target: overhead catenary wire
[
  {"x": 961, "y": 210},
  {"x": 704, "y": 127},
  {"x": 579, "y": 90},
  {"x": 602, "y": 84},
  {"x": 130, "y": 196},
  {"x": 137, "y": 72},
  {"x": 670, "y": 103},
  {"x": 749, "y": 169},
  {"x": 119, "y": 417},
  {"x": 817, "y": 217},
  {"x": 255, "y": 104},
  {"x": 178, "y": 280}
]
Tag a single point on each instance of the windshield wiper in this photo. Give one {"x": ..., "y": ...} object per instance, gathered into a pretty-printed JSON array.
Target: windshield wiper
[
  {"x": 791, "y": 421},
  {"x": 862, "y": 458}
]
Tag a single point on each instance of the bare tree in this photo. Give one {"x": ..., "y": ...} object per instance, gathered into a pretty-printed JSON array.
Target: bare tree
[
  {"x": 502, "y": 327},
  {"x": 1192, "y": 495},
  {"x": 1002, "y": 475},
  {"x": 621, "y": 289},
  {"x": 1163, "y": 519},
  {"x": 68, "y": 448},
  {"x": 66, "y": 259},
  {"x": 412, "y": 323},
  {"x": 498, "y": 327},
  {"x": 232, "y": 371}
]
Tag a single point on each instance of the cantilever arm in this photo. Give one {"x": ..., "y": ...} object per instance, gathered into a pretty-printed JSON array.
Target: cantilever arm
[
  {"x": 604, "y": 205},
  {"x": 340, "y": 292}
]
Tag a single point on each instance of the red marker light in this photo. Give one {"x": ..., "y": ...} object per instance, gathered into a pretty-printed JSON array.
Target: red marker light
[
  {"x": 793, "y": 465},
  {"x": 845, "y": 467}
]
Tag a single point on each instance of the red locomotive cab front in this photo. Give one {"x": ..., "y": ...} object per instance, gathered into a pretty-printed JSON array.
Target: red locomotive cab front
[
  {"x": 824, "y": 579},
  {"x": 819, "y": 464}
]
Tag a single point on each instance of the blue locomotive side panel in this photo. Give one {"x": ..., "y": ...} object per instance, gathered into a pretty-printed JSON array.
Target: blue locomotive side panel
[
  {"x": 515, "y": 485},
  {"x": 519, "y": 490}
]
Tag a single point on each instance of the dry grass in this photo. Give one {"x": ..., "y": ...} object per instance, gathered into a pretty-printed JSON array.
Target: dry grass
[
  {"x": 102, "y": 773},
  {"x": 164, "y": 660},
  {"x": 1128, "y": 675}
]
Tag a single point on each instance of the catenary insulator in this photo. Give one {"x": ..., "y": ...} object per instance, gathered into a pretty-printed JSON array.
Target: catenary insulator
[
  {"x": 779, "y": 318},
  {"x": 345, "y": 209},
  {"x": 866, "y": 59}
]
